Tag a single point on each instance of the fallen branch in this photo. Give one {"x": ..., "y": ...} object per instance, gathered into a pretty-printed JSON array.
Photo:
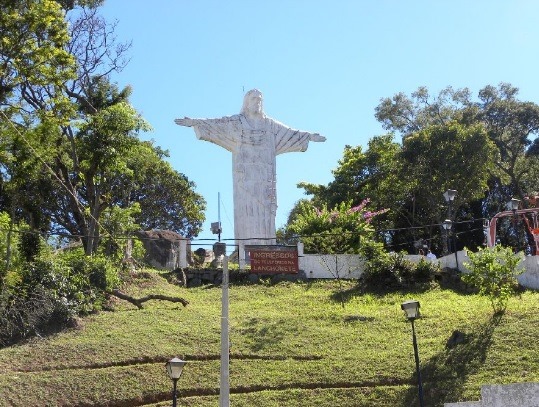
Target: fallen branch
[{"x": 138, "y": 301}]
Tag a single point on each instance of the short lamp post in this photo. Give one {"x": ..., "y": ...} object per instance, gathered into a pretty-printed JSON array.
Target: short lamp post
[
  {"x": 174, "y": 369},
  {"x": 411, "y": 309}
]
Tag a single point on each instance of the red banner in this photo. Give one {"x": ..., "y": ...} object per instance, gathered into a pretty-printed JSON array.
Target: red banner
[{"x": 267, "y": 261}]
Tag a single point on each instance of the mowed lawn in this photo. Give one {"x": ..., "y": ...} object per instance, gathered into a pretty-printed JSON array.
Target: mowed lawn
[{"x": 291, "y": 344}]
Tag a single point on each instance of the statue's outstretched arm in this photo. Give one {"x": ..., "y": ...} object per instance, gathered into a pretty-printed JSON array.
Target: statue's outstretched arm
[
  {"x": 186, "y": 121},
  {"x": 316, "y": 137}
]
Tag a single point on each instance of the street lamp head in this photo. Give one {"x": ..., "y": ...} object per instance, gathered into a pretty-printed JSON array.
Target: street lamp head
[
  {"x": 513, "y": 204},
  {"x": 411, "y": 309},
  {"x": 447, "y": 224},
  {"x": 450, "y": 195},
  {"x": 174, "y": 368}
]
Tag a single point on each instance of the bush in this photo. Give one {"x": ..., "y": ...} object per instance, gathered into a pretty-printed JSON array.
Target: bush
[
  {"x": 392, "y": 270},
  {"x": 25, "y": 314},
  {"x": 99, "y": 270},
  {"x": 493, "y": 272},
  {"x": 75, "y": 280}
]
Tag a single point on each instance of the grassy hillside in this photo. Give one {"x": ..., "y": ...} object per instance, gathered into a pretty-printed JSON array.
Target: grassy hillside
[{"x": 292, "y": 344}]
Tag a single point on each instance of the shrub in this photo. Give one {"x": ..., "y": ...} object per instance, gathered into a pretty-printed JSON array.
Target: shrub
[
  {"x": 340, "y": 229},
  {"x": 493, "y": 272},
  {"x": 393, "y": 270},
  {"x": 29, "y": 245},
  {"x": 24, "y": 314},
  {"x": 75, "y": 280}
]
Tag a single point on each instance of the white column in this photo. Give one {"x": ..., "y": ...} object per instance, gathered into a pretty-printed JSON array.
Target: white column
[
  {"x": 241, "y": 255},
  {"x": 183, "y": 254}
]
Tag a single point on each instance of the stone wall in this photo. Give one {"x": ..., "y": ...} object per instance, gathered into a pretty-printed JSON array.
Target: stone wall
[{"x": 165, "y": 249}]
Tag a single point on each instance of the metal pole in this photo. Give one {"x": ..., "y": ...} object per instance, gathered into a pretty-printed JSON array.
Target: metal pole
[
  {"x": 224, "y": 388},
  {"x": 416, "y": 354},
  {"x": 174, "y": 394},
  {"x": 445, "y": 250},
  {"x": 219, "y": 215}
]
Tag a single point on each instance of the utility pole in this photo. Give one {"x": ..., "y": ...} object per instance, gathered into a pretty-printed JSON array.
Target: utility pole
[{"x": 224, "y": 387}]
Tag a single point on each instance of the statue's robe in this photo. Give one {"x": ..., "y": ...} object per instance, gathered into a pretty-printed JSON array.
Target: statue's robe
[{"x": 254, "y": 147}]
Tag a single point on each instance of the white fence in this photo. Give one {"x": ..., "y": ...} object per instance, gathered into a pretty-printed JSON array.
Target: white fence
[{"x": 350, "y": 266}]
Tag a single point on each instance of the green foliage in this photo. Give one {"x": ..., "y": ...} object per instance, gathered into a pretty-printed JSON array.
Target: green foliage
[
  {"x": 441, "y": 156},
  {"x": 93, "y": 173},
  {"x": 24, "y": 314},
  {"x": 392, "y": 271},
  {"x": 33, "y": 36},
  {"x": 167, "y": 198},
  {"x": 118, "y": 221},
  {"x": 373, "y": 173},
  {"x": 5, "y": 225},
  {"x": 337, "y": 230},
  {"x": 46, "y": 290},
  {"x": 512, "y": 125},
  {"x": 493, "y": 272},
  {"x": 30, "y": 245},
  {"x": 74, "y": 280},
  {"x": 10, "y": 258}
]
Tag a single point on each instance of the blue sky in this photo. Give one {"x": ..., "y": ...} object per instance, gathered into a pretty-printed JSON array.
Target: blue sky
[{"x": 323, "y": 66}]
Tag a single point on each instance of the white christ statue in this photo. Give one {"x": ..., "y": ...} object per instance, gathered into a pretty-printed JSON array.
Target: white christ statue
[{"x": 254, "y": 141}]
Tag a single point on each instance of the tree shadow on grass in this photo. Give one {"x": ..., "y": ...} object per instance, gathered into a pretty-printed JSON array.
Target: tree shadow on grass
[
  {"x": 444, "y": 376},
  {"x": 261, "y": 334}
]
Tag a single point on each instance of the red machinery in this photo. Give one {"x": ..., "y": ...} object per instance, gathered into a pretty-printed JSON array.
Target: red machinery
[{"x": 527, "y": 216}]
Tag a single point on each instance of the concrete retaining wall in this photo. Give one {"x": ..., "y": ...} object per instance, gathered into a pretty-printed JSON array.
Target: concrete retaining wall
[{"x": 507, "y": 395}]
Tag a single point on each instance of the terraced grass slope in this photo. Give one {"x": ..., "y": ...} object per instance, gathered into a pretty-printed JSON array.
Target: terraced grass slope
[{"x": 292, "y": 344}]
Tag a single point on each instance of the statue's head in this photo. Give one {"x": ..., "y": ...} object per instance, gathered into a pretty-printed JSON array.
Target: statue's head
[{"x": 252, "y": 103}]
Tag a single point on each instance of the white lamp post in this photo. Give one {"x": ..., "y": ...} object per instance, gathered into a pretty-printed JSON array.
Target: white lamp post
[
  {"x": 174, "y": 369},
  {"x": 411, "y": 309}
]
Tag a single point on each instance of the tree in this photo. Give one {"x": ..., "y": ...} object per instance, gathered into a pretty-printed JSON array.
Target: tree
[
  {"x": 408, "y": 115},
  {"x": 90, "y": 159},
  {"x": 373, "y": 174},
  {"x": 166, "y": 197},
  {"x": 83, "y": 161},
  {"x": 33, "y": 60},
  {"x": 336, "y": 230},
  {"x": 513, "y": 126},
  {"x": 410, "y": 179},
  {"x": 33, "y": 36}
]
